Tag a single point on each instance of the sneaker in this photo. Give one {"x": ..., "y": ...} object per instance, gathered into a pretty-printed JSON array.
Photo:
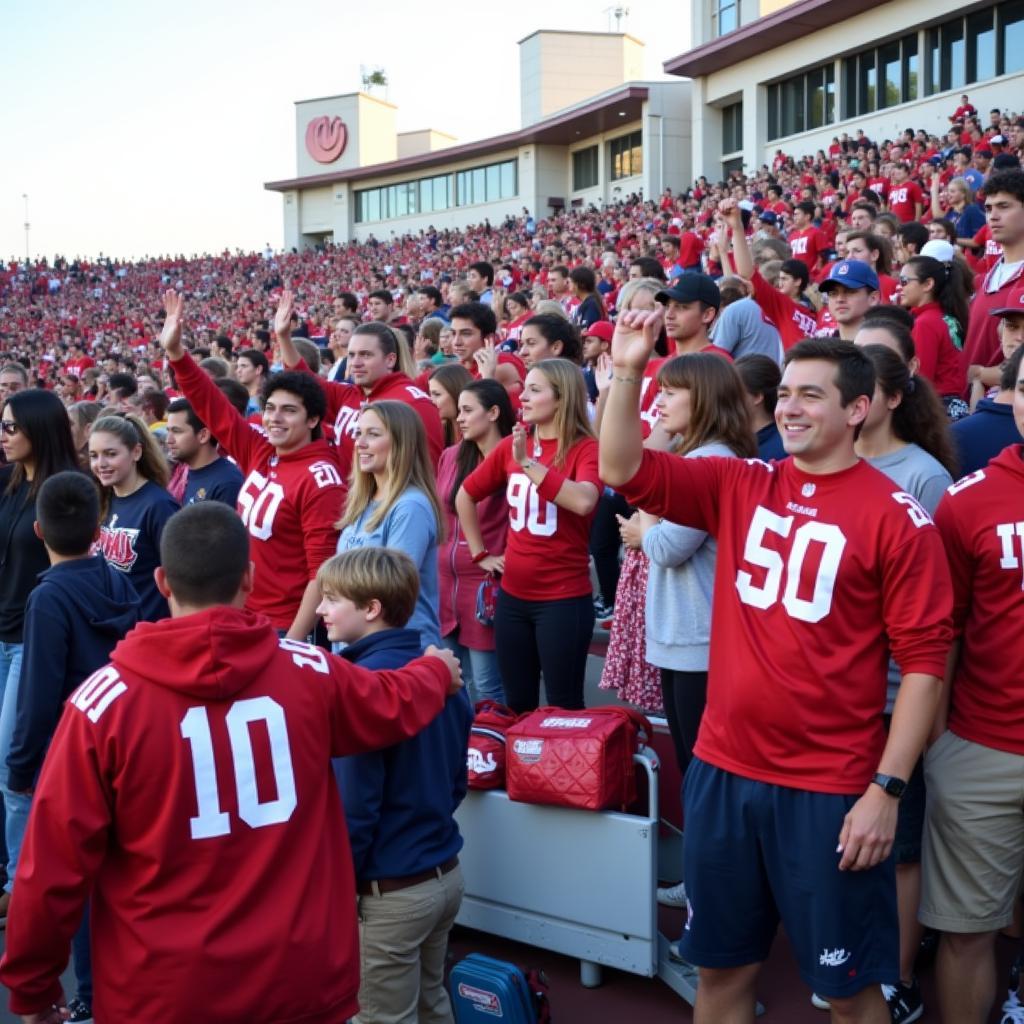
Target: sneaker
[
  {"x": 79, "y": 1011},
  {"x": 1013, "y": 1009},
  {"x": 674, "y": 955},
  {"x": 820, "y": 1002},
  {"x": 602, "y": 610},
  {"x": 672, "y": 896},
  {"x": 904, "y": 1002}
]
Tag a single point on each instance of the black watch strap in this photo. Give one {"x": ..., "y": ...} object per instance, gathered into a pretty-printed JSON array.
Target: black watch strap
[{"x": 891, "y": 784}]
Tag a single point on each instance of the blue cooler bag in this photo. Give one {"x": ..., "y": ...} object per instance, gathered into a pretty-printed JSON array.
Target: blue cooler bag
[{"x": 483, "y": 988}]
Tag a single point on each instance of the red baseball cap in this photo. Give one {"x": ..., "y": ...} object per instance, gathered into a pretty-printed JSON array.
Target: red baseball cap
[
  {"x": 1014, "y": 303},
  {"x": 603, "y": 329}
]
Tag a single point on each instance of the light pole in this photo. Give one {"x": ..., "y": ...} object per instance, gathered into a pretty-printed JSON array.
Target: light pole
[{"x": 24, "y": 196}]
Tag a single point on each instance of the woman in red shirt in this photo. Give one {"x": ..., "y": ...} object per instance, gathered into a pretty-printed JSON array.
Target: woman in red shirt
[
  {"x": 545, "y": 615},
  {"x": 934, "y": 294},
  {"x": 484, "y": 417}
]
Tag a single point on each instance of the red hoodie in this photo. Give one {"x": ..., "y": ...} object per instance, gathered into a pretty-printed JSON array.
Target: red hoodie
[{"x": 189, "y": 790}]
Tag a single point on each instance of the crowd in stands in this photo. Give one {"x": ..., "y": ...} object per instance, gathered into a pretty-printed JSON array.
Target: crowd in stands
[{"x": 469, "y": 399}]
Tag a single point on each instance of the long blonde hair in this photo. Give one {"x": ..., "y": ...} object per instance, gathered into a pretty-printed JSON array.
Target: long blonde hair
[
  {"x": 571, "y": 420},
  {"x": 131, "y": 430},
  {"x": 408, "y": 466}
]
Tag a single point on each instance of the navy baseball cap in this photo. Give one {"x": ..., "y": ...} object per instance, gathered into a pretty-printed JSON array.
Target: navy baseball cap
[
  {"x": 768, "y": 216},
  {"x": 850, "y": 274},
  {"x": 692, "y": 288}
]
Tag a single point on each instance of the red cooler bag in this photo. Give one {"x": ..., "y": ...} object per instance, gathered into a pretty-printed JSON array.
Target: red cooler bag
[
  {"x": 575, "y": 758},
  {"x": 485, "y": 759}
]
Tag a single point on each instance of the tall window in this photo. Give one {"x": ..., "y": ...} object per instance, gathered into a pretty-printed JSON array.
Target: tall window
[
  {"x": 486, "y": 184},
  {"x": 726, "y": 16},
  {"x": 732, "y": 128},
  {"x": 975, "y": 47},
  {"x": 803, "y": 102},
  {"x": 881, "y": 77},
  {"x": 584, "y": 168},
  {"x": 626, "y": 156}
]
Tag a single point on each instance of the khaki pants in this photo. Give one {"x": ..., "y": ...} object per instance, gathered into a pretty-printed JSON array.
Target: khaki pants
[{"x": 403, "y": 941}]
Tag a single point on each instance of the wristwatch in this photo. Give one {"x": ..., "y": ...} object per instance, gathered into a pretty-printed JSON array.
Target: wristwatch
[{"x": 892, "y": 785}]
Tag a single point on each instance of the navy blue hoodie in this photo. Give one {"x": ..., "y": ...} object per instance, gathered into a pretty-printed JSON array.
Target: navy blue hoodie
[
  {"x": 74, "y": 618},
  {"x": 981, "y": 436},
  {"x": 399, "y": 802}
]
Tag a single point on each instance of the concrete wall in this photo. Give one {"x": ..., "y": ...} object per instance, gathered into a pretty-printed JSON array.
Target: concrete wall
[
  {"x": 427, "y": 140},
  {"x": 370, "y": 125},
  {"x": 559, "y": 69},
  {"x": 747, "y": 80}
]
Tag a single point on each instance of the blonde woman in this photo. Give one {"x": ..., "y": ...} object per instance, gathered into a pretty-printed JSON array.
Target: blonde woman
[
  {"x": 548, "y": 471},
  {"x": 392, "y": 501}
]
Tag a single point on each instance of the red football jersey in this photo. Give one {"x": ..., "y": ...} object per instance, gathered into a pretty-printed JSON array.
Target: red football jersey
[
  {"x": 940, "y": 360},
  {"x": 817, "y": 577},
  {"x": 981, "y": 519},
  {"x": 190, "y": 781},
  {"x": 547, "y": 555},
  {"x": 903, "y": 200},
  {"x": 793, "y": 320},
  {"x": 808, "y": 246},
  {"x": 982, "y": 346},
  {"x": 289, "y": 503}
]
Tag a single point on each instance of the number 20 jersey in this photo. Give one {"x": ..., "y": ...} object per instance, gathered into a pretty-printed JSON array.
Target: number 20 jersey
[{"x": 818, "y": 577}]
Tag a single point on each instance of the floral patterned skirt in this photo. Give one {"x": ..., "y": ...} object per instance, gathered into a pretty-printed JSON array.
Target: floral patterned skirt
[{"x": 625, "y": 667}]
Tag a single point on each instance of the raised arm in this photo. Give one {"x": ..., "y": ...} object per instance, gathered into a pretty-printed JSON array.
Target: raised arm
[
  {"x": 742, "y": 257},
  {"x": 579, "y": 496}
]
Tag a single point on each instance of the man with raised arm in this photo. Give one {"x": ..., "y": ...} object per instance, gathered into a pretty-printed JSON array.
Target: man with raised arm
[
  {"x": 188, "y": 795},
  {"x": 373, "y": 360},
  {"x": 293, "y": 491},
  {"x": 823, "y": 567}
]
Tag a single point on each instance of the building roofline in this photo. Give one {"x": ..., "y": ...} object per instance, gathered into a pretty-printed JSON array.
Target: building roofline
[
  {"x": 776, "y": 29},
  {"x": 345, "y": 96},
  {"x": 575, "y": 32},
  {"x": 557, "y": 124}
]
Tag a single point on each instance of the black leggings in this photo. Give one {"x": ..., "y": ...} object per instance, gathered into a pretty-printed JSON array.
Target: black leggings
[
  {"x": 552, "y": 637},
  {"x": 605, "y": 543},
  {"x": 684, "y": 694}
]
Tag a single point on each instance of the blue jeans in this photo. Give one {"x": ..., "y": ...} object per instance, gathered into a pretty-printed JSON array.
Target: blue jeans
[
  {"x": 16, "y": 806},
  {"x": 479, "y": 671},
  {"x": 83, "y": 959}
]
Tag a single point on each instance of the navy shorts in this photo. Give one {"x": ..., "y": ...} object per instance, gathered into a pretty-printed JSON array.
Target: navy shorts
[{"x": 755, "y": 854}]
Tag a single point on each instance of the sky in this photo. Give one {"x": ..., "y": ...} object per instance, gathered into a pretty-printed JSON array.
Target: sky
[{"x": 141, "y": 129}]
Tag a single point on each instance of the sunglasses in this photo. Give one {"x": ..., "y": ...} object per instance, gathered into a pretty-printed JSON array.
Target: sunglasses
[
  {"x": 9, "y": 427},
  {"x": 909, "y": 280}
]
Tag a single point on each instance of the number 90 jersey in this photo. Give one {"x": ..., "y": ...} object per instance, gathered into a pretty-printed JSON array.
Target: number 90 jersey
[
  {"x": 547, "y": 554},
  {"x": 818, "y": 578}
]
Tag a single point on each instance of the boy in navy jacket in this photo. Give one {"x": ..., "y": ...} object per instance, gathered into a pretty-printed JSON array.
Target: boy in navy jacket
[
  {"x": 399, "y": 802},
  {"x": 74, "y": 617}
]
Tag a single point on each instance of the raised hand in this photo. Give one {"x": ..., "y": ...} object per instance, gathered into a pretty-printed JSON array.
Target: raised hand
[
  {"x": 170, "y": 336},
  {"x": 636, "y": 332},
  {"x": 283, "y": 316},
  {"x": 603, "y": 373},
  {"x": 519, "y": 443},
  {"x": 486, "y": 359}
]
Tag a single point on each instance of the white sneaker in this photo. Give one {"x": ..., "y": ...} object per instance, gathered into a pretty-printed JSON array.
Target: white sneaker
[
  {"x": 820, "y": 1002},
  {"x": 672, "y": 896},
  {"x": 1013, "y": 1010}
]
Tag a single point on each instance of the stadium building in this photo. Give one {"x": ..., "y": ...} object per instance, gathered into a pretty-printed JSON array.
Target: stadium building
[
  {"x": 592, "y": 131},
  {"x": 768, "y": 75}
]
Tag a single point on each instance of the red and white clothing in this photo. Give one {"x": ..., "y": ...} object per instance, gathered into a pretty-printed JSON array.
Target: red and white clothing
[
  {"x": 808, "y": 246},
  {"x": 793, "y": 320},
  {"x": 904, "y": 200},
  {"x": 940, "y": 361},
  {"x": 980, "y": 519},
  {"x": 989, "y": 254},
  {"x": 186, "y": 781},
  {"x": 289, "y": 503},
  {"x": 818, "y": 577},
  {"x": 547, "y": 553},
  {"x": 76, "y": 367},
  {"x": 981, "y": 346}
]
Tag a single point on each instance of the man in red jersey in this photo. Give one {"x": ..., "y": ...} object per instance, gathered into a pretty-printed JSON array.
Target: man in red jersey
[
  {"x": 906, "y": 200},
  {"x": 1004, "y": 215},
  {"x": 807, "y": 243},
  {"x": 188, "y": 795},
  {"x": 824, "y": 565},
  {"x": 293, "y": 490},
  {"x": 372, "y": 363},
  {"x": 971, "y": 875}
]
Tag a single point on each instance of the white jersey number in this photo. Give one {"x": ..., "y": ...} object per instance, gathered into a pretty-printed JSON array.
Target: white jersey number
[
  {"x": 211, "y": 821},
  {"x": 258, "y": 501},
  {"x": 528, "y": 512},
  {"x": 785, "y": 576}
]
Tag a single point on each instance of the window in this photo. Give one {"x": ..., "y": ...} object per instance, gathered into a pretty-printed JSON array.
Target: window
[
  {"x": 975, "y": 47},
  {"x": 802, "y": 102},
  {"x": 732, "y": 128},
  {"x": 407, "y": 197},
  {"x": 726, "y": 16},
  {"x": 626, "y": 156},
  {"x": 584, "y": 168},
  {"x": 880, "y": 77},
  {"x": 486, "y": 184}
]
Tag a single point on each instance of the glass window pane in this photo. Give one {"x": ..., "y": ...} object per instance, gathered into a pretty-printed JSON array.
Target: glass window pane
[
  {"x": 793, "y": 106},
  {"x": 726, "y": 17},
  {"x": 830, "y": 93},
  {"x": 773, "y": 112},
  {"x": 816, "y": 98},
  {"x": 493, "y": 182},
  {"x": 981, "y": 55},
  {"x": 426, "y": 197},
  {"x": 933, "y": 84},
  {"x": 867, "y": 83},
  {"x": 954, "y": 56},
  {"x": 479, "y": 185},
  {"x": 508, "y": 179},
  {"x": 850, "y": 88},
  {"x": 1011, "y": 22},
  {"x": 910, "y": 67},
  {"x": 636, "y": 158},
  {"x": 891, "y": 92},
  {"x": 463, "y": 186},
  {"x": 374, "y": 204}
]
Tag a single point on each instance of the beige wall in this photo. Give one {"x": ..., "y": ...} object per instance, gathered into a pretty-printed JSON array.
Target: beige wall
[
  {"x": 370, "y": 125},
  {"x": 428, "y": 140},
  {"x": 560, "y": 69}
]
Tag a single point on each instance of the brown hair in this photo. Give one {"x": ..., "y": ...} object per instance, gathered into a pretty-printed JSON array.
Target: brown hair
[{"x": 374, "y": 573}]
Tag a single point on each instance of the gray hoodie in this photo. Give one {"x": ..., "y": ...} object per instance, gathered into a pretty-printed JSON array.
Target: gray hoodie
[{"x": 680, "y": 583}]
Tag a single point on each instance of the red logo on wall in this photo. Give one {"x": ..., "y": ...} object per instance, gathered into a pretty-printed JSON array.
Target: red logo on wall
[{"x": 326, "y": 138}]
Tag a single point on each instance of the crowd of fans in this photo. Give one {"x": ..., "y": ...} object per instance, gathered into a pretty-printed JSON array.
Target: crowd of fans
[{"x": 441, "y": 394}]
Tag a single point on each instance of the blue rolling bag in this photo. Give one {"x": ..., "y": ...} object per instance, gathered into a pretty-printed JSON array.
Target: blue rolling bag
[{"x": 483, "y": 988}]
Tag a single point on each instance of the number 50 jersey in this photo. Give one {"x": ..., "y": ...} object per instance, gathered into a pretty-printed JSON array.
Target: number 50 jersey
[
  {"x": 818, "y": 577},
  {"x": 189, "y": 789}
]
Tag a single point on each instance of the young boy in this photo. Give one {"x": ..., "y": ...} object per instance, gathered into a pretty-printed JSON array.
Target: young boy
[
  {"x": 398, "y": 802},
  {"x": 81, "y": 608}
]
